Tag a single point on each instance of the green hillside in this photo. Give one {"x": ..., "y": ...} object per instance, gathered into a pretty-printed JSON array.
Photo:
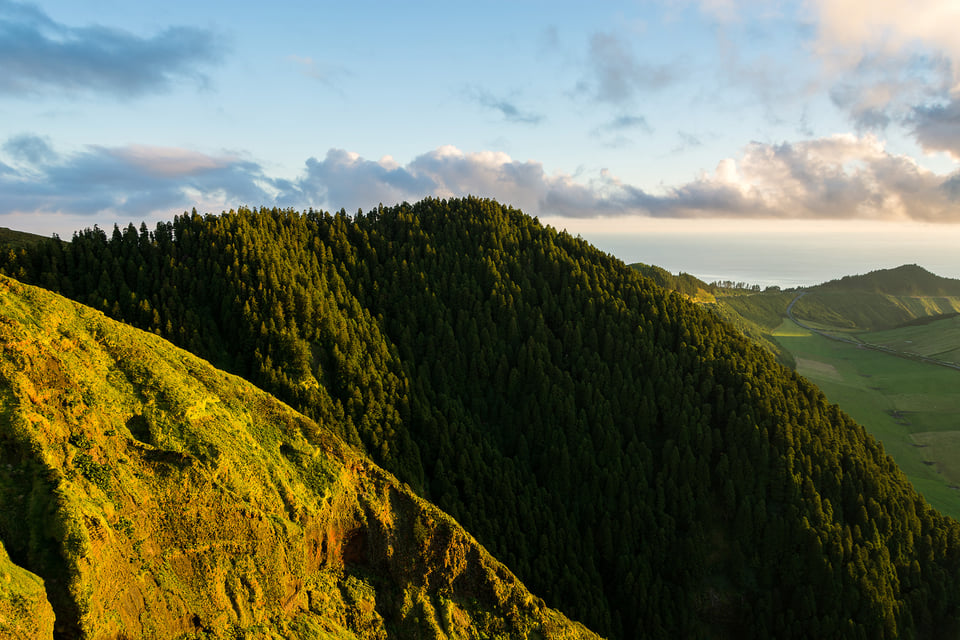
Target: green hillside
[
  {"x": 932, "y": 337},
  {"x": 11, "y": 239},
  {"x": 906, "y": 280},
  {"x": 683, "y": 283},
  {"x": 158, "y": 497},
  {"x": 633, "y": 458},
  {"x": 879, "y": 300}
]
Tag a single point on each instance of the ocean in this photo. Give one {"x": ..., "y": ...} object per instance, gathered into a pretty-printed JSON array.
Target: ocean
[{"x": 787, "y": 260}]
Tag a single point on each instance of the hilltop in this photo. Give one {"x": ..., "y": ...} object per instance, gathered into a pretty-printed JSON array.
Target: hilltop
[
  {"x": 157, "y": 497},
  {"x": 12, "y": 239},
  {"x": 906, "y": 280},
  {"x": 632, "y": 458},
  {"x": 879, "y": 300}
]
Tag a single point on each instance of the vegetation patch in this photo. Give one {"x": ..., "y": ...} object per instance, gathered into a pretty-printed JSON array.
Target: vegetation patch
[
  {"x": 816, "y": 368},
  {"x": 942, "y": 448}
]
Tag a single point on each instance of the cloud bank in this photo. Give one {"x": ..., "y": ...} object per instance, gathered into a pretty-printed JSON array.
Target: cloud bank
[
  {"x": 39, "y": 55},
  {"x": 129, "y": 181},
  {"x": 838, "y": 177}
]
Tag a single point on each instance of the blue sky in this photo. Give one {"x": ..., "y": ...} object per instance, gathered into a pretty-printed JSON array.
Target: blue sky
[{"x": 608, "y": 116}]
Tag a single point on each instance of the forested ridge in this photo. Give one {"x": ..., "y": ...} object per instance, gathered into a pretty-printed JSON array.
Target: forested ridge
[{"x": 636, "y": 461}]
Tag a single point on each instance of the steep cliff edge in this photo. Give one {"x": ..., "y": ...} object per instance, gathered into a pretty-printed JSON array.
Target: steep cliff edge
[{"x": 158, "y": 497}]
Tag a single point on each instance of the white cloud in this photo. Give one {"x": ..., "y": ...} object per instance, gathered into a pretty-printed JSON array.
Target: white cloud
[
  {"x": 837, "y": 177},
  {"x": 893, "y": 62},
  {"x": 850, "y": 30},
  {"x": 937, "y": 127},
  {"x": 168, "y": 162}
]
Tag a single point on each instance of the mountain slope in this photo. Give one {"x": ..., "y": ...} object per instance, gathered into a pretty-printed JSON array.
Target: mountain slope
[
  {"x": 683, "y": 283},
  {"x": 880, "y": 300},
  {"x": 633, "y": 458},
  {"x": 158, "y": 497},
  {"x": 905, "y": 280}
]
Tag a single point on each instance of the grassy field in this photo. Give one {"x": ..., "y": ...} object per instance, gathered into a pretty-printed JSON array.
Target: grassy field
[
  {"x": 912, "y": 407},
  {"x": 938, "y": 339}
]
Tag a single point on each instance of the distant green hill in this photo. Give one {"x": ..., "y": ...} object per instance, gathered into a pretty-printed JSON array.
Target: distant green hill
[
  {"x": 633, "y": 458},
  {"x": 11, "y": 239},
  {"x": 158, "y": 497},
  {"x": 906, "y": 280},
  {"x": 879, "y": 300}
]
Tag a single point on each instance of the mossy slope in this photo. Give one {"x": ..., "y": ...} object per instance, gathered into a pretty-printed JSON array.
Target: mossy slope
[
  {"x": 158, "y": 497},
  {"x": 24, "y": 609}
]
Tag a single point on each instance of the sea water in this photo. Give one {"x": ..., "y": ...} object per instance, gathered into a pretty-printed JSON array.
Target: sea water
[{"x": 793, "y": 259}]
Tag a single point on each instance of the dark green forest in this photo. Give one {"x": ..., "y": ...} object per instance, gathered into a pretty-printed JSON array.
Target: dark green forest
[{"x": 636, "y": 461}]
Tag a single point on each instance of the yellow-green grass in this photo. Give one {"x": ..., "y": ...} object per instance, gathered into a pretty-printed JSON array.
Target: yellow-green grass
[
  {"x": 913, "y": 408},
  {"x": 158, "y": 497},
  {"x": 859, "y": 310},
  {"x": 938, "y": 339}
]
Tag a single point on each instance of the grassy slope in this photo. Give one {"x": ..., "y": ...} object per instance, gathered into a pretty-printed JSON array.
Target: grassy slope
[
  {"x": 905, "y": 280},
  {"x": 11, "y": 239},
  {"x": 868, "y": 311},
  {"x": 159, "y": 497},
  {"x": 938, "y": 339}
]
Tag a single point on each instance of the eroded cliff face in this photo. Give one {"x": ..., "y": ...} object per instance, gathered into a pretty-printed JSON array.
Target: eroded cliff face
[{"x": 158, "y": 497}]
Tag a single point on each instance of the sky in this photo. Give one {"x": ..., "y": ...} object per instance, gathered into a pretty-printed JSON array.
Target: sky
[{"x": 725, "y": 117}]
